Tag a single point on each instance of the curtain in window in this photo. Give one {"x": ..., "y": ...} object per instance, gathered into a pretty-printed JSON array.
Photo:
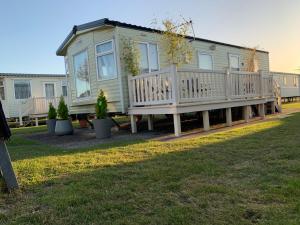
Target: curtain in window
[
  {"x": 64, "y": 91},
  {"x": 144, "y": 65},
  {"x": 106, "y": 66},
  {"x": 22, "y": 89},
  {"x": 153, "y": 57},
  {"x": 49, "y": 90}
]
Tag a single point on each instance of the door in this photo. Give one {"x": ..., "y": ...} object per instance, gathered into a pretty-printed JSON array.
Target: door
[{"x": 49, "y": 90}]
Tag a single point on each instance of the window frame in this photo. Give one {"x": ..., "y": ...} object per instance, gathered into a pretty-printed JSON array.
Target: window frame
[
  {"x": 239, "y": 61},
  {"x": 284, "y": 80},
  {"x": 64, "y": 83},
  {"x": 148, "y": 53},
  {"x": 44, "y": 88},
  {"x": 4, "y": 90},
  {"x": 88, "y": 68},
  {"x": 199, "y": 52},
  {"x": 30, "y": 84},
  {"x": 296, "y": 81},
  {"x": 67, "y": 67},
  {"x": 113, "y": 51}
]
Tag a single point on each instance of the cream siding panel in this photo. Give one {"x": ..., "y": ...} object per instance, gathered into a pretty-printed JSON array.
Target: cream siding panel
[
  {"x": 110, "y": 87},
  {"x": 220, "y": 54}
]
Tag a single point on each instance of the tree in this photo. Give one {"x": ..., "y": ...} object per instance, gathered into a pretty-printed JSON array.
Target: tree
[
  {"x": 101, "y": 106},
  {"x": 131, "y": 56},
  {"x": 177, "y": 47},
  {"x": 62, "y": 110},
  {"x": 252, "y": 60},
  {"x": 52, "y": 114}
]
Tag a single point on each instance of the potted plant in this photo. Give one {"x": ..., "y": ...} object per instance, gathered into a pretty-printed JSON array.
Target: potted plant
[
  {"x": 51, "y": 122},
  {"x": 102, "y": 124},
  {"x": 63, "y": 124}
]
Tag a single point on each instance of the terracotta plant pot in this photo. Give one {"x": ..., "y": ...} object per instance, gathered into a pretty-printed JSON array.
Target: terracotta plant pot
[
  {"x": 51, "y": 126},
  {"x": 83, "y": 123},
  {"x": 102, "y": 128},
  {"x": 63, "y": 127}
]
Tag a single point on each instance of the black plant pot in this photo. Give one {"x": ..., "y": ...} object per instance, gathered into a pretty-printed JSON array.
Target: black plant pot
[
  {"x": 51, "y": 126},
  {"x": 63, "y": 127},
  {"x": 102, "y": 128}
]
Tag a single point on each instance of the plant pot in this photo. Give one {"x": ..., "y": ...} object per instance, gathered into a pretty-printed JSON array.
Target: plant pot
[
  {"x": 102, "y": 128},
  {"x": 63, "y": 127},
  {"x": 51, "y": 126},
  {"x": 83, "y": 123}
]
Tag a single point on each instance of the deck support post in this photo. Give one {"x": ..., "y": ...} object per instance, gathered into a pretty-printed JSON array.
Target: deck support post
[
  {"x": 228, "y": 117},
  {"x": 177, "y": 124},
  {"x": 36, "y": 121},
  {"x": 261, "y": 110},
  {"x": 205, "y": 116},
  {"x": 246, "y": 113},
  {"x": 150, "y": 122},
  {"x": 273, "y": 107},
  {"x": 133, "y": 124},
  {"x": 21, "y": 121}
]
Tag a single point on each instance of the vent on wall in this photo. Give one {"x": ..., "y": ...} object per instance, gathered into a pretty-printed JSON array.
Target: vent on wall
[{"x": 213, "y": 47}]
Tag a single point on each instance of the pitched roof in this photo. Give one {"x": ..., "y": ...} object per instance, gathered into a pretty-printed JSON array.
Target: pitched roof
[
  {"x": 107, "y": 22},
  {"x": 31, "y": 75}
]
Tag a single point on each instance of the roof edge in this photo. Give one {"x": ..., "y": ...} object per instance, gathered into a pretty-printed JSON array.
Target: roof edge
[{"x": 106, "y": 21}]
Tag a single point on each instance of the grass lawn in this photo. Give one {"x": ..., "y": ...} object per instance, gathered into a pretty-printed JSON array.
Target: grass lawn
[
  {"x": 247, "y": 175},
  {"x": 295, "y": 105}
]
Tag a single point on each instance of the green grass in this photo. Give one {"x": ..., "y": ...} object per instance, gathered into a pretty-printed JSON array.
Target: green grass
[
  {"x": 245, "y": 175},
  {"x": 295, "y": 105}
]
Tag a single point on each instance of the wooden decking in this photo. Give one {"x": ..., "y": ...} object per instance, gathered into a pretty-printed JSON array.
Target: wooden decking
[{"x": 172, "y": 91}]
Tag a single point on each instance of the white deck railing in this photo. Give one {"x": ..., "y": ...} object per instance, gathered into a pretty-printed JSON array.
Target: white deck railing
[{"x": 171, "y": 86}]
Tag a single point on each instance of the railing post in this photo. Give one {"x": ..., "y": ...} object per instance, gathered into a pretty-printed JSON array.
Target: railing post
[
  {"x": 261, "y": 76},
  {"x": 175, "y": 86},
  {"x": 130, "y": 91},
  {"x": 227, "y": 84},
  {"x": 20, "y": 114}
]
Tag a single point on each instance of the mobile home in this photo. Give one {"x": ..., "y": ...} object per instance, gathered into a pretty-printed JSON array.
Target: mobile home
[
  {"x": 28, "y": 95},
  {"x": 289, "y": 84},
  {"x": 215, "y": 78}
]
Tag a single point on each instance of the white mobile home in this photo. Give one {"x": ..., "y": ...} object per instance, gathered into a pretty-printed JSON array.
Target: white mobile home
[
  {"x": 24, "y": 95},
  {"x": 289, "y": 84},
  {"x": 216, "y": 78}
]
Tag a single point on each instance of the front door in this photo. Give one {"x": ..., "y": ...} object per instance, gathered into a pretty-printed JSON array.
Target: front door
[{"x": 49, "y": 90}]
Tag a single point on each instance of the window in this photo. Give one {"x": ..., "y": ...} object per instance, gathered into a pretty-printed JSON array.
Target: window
[
  {"x": 64, "y": 88},
  {"x": 2, "y": 94},
  {"x": 106, "y": 63},
  {"x": 49, "y": 90},
  {"x": 81, "y": 72},
  {"x": 284, "y": 80},
  {"x": 148, "y": 57},
  {"x": 234, "y": 62},
  {"x": 67, "y": 66},
  {"x": 205, "y": 61},
  {"x": 296, "y": 81},
  {"x": 22, "y": 89}
]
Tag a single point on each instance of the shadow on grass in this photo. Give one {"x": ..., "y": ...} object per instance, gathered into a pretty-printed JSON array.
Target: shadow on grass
[{"x": 242, "y": 180}]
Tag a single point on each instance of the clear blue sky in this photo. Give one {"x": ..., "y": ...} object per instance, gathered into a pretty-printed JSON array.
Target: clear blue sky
[{"x": 32, "y": 30}]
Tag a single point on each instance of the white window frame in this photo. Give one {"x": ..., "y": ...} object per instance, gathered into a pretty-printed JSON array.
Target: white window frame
[
  {"x": 113, "y": 51},
  {"x": 205, "y": 53},
  {"x": 239, "y": 60},
  {"x": 284, "y": 80},
  {"x": 295, "y": 81},
  {"x": 44, "y": 88},
  {"x": 64, "y": 83},
  {"x": 30, "y": 84},
  {"x": 148, "y": 55},
  {"x": 4, "y": 89},
  {"x": 67, "y": 67},
  {"x": 88, "y": 68}
]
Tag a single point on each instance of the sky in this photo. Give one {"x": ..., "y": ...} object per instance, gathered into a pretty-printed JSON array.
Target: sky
[{"x": 32, "y": 30}]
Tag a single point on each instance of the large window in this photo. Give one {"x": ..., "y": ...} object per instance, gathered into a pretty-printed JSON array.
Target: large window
[
  {"x": 2, "y": 94},
  {"x": 234, "y": 62},
  {"x": 22, "y": 89},
  {"x": 49, "y": 90},
  {"x": 148, "y": 57},
  {"x": 64, "y": 88},
  {"x": 106, "y": 63},
  {"x": 81, "y": 71},
  {"x": 296, "y": 81},
  {"x": 67, "y": 66},
  {"x": 205, "y": 61}
]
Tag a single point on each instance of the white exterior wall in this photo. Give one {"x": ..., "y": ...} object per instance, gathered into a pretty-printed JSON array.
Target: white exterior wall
[
  {"x": 37, "y": 90},
  {"x": 288, "y": 87}
]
